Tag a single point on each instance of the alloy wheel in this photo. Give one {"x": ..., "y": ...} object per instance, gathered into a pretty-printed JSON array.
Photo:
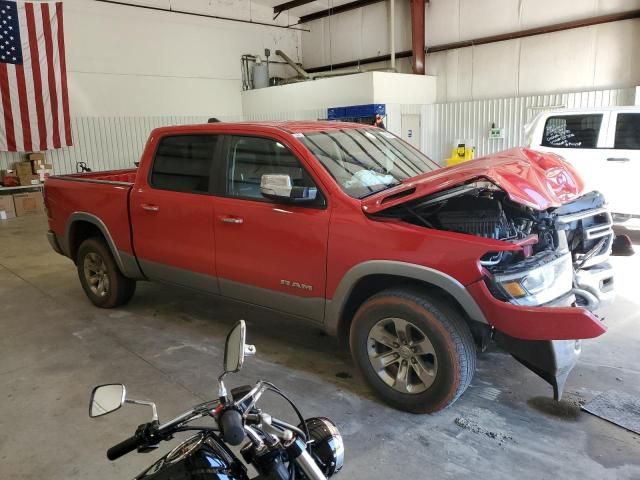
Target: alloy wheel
[
  {"x": 402, "y": 355},
  {"x": 96, "y": 275}
]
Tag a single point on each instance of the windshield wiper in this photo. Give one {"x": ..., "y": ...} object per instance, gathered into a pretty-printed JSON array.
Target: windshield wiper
[{"x": 386, "y": 187}]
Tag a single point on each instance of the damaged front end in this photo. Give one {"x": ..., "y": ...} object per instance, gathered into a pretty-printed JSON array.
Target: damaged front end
[{"x": 561, "y": 263}]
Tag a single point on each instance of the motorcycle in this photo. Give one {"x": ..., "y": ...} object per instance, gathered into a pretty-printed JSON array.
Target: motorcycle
[{"x": 277, "y": 450}]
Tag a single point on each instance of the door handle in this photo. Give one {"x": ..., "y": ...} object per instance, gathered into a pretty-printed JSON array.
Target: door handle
[
  {"x": 150, "y": 208},
  {"x": 618, "y": 159},
  {"x": 232, "y": 220}
]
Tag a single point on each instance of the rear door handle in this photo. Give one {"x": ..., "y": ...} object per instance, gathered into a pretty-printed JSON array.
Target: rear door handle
[
  {"x": 618, "y": 159},
  {"x": 232, "y": 220},
  {"x": 150, "y": 208}
]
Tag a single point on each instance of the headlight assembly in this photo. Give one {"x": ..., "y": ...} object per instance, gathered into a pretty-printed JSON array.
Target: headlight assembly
[{"x": 537, "y": 284}]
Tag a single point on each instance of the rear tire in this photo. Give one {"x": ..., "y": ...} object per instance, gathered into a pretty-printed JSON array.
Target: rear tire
[
  {"x": 414, "y": 350},
  {"x": 100, "y": 277}
]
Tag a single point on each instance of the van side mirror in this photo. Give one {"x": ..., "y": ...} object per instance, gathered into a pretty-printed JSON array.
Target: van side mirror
[
  {"x": 106, "y": 399},
  {"x": 278, "y": 187}
]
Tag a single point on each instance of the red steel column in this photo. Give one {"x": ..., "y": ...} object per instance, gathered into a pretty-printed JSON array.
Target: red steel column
[{"x": 417, "y": 35}]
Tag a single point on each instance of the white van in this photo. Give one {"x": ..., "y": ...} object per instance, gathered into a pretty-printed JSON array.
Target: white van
[{"x": 602, "y": 144}]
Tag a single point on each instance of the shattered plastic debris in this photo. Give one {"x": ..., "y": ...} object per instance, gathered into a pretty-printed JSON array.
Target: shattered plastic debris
[{"x": 476, "y": 428}]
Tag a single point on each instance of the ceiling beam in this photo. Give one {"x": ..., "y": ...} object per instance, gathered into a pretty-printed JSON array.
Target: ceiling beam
[
  {"x": 339, "y": 9},
  {"x": 278, "y": 9}
]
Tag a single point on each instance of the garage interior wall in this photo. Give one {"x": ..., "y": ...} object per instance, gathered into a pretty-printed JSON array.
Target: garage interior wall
[
  {"x": 589, "y": 58},
  {"x": 444, "y": 125},
  {"x": 132, "y": 69}
]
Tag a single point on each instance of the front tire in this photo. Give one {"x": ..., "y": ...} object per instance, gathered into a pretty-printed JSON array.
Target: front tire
[
  {"x": 414, "y": 350},
  {"x": 100, "y": 277}
]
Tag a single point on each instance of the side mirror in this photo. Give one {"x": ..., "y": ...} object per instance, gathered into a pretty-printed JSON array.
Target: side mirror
[
  {"x": 106, "y": 399},
  {"x": 234, "y": 348},
  {"x": 279, "y": 188}
]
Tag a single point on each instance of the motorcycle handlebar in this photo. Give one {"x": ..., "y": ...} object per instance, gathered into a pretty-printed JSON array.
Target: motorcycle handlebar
[
  {"x": 124, "y": 447},
  {"x": 232, "y": 427}
]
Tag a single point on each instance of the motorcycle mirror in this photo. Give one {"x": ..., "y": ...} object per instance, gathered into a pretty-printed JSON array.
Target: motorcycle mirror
[
  {"x": 234, "y": 348},
  {"x": 106, "y": 399}
]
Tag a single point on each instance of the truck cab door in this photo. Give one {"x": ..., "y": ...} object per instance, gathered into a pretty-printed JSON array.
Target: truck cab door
[
  {"x": 172, "y": 212},
  {"x": 270, "y": 254},
  {"x": 622, "y": 162}
]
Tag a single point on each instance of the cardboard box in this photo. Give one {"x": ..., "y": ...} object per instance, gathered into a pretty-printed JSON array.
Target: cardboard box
[
  {"x": 30, "y": 179},
  {"x": 7, "y": 207},
  {"x": 35, "y": 156},
  {"x": 24, "y": 168},
  {"x": 39, "y": 165},
  {"x": 30, "y": 203}
]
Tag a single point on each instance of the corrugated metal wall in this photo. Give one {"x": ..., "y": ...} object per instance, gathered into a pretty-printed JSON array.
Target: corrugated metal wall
[
  {"x": 116, "y": 142},
  {"x": 105, "y": 142},
  {"x": 444, "y": 124},
  {"x": 318, "y": 114}
]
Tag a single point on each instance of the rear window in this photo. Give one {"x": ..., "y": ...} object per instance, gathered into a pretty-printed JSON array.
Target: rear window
[
  {"x": 628, "y": 131},
  {"x": 183, "y": 163},
  {"x": 572, "y": 131}
]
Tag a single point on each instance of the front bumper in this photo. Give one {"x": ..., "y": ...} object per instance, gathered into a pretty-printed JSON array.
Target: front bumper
[
  {"x": 594, "y": 286},
  {"x": 536, "y": 323}
]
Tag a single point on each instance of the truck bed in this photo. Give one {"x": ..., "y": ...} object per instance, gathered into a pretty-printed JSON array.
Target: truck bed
[
  {"x": 101, "y": 198},
  {"x": 121, "y": 176}
]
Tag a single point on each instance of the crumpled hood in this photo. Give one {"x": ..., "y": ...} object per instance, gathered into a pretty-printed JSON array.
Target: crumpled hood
[{"x": 534, "y": 179}]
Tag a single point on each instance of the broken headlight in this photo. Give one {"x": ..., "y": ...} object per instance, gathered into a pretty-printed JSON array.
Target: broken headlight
[{"x": 524, "y": 285}]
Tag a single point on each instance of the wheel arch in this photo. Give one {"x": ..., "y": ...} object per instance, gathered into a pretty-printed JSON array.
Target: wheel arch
[
  {"x": 82, "y": 225},
  {"x": 368, "y": 278}
]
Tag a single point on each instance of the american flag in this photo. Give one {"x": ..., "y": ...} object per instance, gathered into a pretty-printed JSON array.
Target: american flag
[{"x": 34, "y": 111}]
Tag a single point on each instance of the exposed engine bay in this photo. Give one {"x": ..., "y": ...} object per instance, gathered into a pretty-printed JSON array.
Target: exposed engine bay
[{"x": 562, "y": 260}]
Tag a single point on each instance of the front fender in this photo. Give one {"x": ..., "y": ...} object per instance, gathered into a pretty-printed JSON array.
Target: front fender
[{"x": 335, "y": 307}]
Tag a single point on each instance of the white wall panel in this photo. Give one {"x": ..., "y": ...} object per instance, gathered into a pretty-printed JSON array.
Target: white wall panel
[
  {"x": 105, "y": 143},
  {"x": 130, "y": 61},
  {"x": 444, "y": 123},
  {"x": 313, "y": 114}
]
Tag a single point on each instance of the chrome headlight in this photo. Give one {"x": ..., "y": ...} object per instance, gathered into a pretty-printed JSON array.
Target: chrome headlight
[{"x": 538, "y": 285}]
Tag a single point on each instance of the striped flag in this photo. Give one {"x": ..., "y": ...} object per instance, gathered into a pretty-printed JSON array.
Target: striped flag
[{"x": 34, "y": 111}]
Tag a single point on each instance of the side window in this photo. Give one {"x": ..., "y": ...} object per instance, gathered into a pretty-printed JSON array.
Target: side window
[
  {"x": 628, "y": 131},
  {"x": 252, "y": 157},
  {"x": 183, "y": 163},
  {"x": 572, "y": 131}
]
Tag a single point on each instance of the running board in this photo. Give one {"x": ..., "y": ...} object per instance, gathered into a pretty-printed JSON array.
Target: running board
[{"x": 552, "y": 360}]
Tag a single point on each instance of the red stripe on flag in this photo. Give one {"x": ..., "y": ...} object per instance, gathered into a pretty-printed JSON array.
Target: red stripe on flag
[
  {"x": 6, "y": 106},
  {"x": 37, "y": 79},
  {"x": 63, "y": 75},
  {"x": 24, "y": 108},
  {"x": 53, "y": 93}
]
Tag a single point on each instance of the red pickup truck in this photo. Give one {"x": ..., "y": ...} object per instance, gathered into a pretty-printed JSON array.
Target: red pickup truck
[{"x": 348, "y": 227}]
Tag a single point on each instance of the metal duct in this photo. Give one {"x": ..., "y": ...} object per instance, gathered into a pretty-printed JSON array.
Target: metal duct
[{"x": 293, "y": 64}]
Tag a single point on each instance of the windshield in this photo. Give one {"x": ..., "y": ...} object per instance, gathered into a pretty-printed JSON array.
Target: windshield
[{"x": 366, "y": 160}]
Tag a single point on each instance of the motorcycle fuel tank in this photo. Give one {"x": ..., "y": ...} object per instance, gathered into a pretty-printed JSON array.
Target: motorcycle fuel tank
[{"x": 200, "y": 457}]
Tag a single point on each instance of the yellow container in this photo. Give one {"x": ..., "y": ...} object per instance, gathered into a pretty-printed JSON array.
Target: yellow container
[{"x": 459, "y": 154}]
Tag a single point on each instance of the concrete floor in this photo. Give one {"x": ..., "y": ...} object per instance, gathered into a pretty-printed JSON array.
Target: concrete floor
[{"x": 166, "y": 345}]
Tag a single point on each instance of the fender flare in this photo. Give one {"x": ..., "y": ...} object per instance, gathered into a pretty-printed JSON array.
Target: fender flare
[
  {"x": 127, "y": 263},
  {"x": 335, "y": 307}
]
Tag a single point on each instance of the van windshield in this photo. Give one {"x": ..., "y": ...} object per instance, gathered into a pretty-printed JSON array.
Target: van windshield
[{"x": 366, "y": 160}]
